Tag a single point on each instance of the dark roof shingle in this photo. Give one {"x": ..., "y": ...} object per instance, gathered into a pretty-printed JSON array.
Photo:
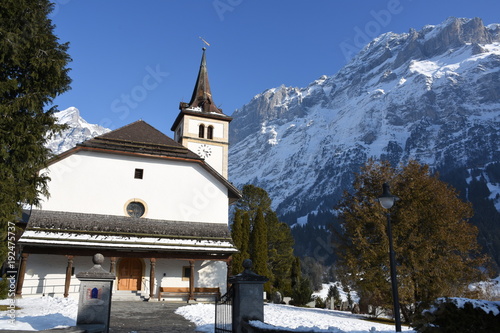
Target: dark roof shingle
[
  {"x": 140, "y": 137},
  {"x": 125, "y": 226}
]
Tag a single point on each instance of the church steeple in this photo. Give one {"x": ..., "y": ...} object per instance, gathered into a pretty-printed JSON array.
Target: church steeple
[
  {"x": 201, "y": 126},
  {"x": 202, "y": 95}
]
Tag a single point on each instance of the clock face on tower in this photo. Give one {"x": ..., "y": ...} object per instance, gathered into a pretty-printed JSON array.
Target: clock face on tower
[{"x": 204, "y": 151}]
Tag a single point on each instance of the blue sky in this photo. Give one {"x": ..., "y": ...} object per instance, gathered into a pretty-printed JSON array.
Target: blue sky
[{"x": 138, "y": 59}]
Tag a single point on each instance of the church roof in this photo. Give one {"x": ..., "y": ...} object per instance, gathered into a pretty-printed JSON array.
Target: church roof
[
  {"x": 51, "y": 228},
  {"x": 202, "y": 95},
  {"x": 201, "y": 103},
  {"x": 140, "y": 138}
]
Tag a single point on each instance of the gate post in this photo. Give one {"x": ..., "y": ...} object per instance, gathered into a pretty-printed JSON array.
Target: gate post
[
  {"x": 94, "y": 305},
  {"x": 248, "y": 296}
]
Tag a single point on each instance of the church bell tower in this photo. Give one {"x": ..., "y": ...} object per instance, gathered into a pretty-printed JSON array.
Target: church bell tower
[{"x": 202, "y": 127}]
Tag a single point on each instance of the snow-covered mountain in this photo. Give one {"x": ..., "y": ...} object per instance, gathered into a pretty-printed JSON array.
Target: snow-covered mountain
[
  {"x": 78, "y": 131},
  {"x": 432, "y": 95}
]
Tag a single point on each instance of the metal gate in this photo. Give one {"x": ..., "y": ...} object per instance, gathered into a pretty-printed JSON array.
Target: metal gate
[{"x": 224, "y": 312}]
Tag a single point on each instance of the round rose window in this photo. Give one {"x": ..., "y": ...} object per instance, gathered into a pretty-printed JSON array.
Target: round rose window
[{"x": 135, "y": 209}]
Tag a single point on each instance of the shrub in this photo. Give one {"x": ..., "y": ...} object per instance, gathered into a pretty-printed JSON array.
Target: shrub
[
  {"x": 302, "y": 293},
  {"x": 320, "y": 303},
  {"x": 4, "y": 287},
  {"x": 444, "y": 316}
]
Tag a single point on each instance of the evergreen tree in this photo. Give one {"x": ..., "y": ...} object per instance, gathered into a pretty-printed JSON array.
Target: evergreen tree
[
  {"x": 436, "y": 249},
  {"x": 268, "y": 241},
  {"x": 313, "y": 269},
  {"x": 349, "y": 299},
  {"x": 333, "y": 293},
  {"x": 33, "y": 72},
  {"x": 259, "y": 253},
  {"x": 336, "y": 297},
  {"x": 280, "y": 252},
  {"x": 245, "y": 242},
  {"x": 302, "y": 293},
  {"x": 240, "y": 239},
  {"x": 254, "y": 197},
  {"x": 295, "y": 273}
]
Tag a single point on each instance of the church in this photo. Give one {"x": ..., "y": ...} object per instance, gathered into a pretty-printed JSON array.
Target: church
[{"x": 155, "y": 207}]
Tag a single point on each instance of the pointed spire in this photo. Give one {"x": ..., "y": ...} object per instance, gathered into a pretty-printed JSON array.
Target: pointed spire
[{"x": 202, "y": 95}]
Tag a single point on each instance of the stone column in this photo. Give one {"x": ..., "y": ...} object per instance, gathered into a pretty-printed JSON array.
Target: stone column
[
  {"x": 94, "y": 306},
  {"x": 67, "y": 281},
  {"x": 152, "y": 278},
  {"x": 20, "y": 275},
  {"x": 248, "y": 296}
]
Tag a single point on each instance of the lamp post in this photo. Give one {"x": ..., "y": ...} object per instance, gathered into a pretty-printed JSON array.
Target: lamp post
[{"x": 387, "y": 200}]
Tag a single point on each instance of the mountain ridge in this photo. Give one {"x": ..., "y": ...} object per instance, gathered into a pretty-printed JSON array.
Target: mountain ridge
[
  {"x": 431, "y": 95},
  {"x": 77, "y": 131}
]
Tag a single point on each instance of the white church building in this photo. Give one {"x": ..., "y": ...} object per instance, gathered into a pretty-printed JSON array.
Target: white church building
[{"x": 155, "y": 207}]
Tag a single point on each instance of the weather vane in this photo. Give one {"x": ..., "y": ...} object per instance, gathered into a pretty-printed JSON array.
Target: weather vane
[{"x": 204, "y": 41}]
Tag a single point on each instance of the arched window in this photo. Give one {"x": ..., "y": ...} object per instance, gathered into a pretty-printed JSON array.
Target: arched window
[
  {"x": 210, "y": 132},
  {"x": 201, "y": 131}
]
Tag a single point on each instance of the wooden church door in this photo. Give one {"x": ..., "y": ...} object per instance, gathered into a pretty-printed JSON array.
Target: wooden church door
[{"x": 130, "y": 274}]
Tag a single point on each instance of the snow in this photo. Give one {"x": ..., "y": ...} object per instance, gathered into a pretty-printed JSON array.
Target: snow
[
  {"x": 41, "y": 313},
  {"x": 292, "y": 318},
  {"x": 47, "y": 237},
  {"x": 487, "y": 306},
  {"x": 323, "y": 293},
  {"x": 78, "y": 131},
  {"x": 302, "y": 220},
  {"x": 490, "y": 288},
  {"x": 38, "y": 314}
]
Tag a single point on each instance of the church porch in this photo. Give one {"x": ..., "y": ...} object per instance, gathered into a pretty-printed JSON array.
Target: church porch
[{"x": 54, "y": 275}]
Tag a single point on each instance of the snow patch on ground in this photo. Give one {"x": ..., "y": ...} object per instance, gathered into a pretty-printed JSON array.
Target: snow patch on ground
[
  {"x": 42, "y": 313},
  {"x": 292, "y": 318},
  {"x": 37, "y": 314}
]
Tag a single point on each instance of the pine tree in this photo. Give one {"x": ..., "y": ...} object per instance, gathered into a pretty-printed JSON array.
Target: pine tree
[
  {"x": 336, "y": 297},
  {"x": 33, "y": 72},
  {"x": 280, "y": 252},
  {"x": 436, "y": 249},
  {"x": 245, "y": 242},
  {"x": 313, "y": 270},
  {"x": 302, "y": 293},
  {"x": 270, "y": 242},
  {"x": 237, "y": 236},
  {"x": 333, "y": 293},
  {"x": 254, "y": 197},
  {"x": 295, "y": 273},
  {"x": 259, "y": 254},
  {"x": 240, "y": 233}
]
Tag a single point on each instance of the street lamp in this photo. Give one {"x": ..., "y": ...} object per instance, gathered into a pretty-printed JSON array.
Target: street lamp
[{"x": 387, "y": 200}]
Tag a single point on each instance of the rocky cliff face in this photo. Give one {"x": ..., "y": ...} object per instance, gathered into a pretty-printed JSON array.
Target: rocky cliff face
[{"x": 432, "y": 95}]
